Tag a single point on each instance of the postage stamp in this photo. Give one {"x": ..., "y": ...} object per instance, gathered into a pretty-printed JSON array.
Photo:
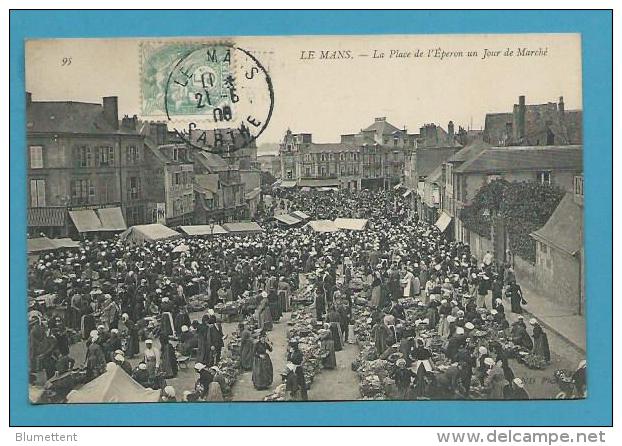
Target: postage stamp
[{"x": 214, "y": 94}]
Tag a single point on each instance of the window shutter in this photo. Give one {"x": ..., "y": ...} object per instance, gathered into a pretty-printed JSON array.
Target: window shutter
[
  {"x": 41, "y": 193},
  {"x": 33, "y": 193}
]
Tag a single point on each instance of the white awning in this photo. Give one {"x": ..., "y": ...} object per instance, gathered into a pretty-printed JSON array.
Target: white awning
[
  {"x": 200, "y": 230},
  {"x": 86, "y": 220},
  {"x": 352, "y": 224},
  {"x": 407, "y": 193},
  {"x": 443, "y": 222},
  {"x": 289, "y": 220}
]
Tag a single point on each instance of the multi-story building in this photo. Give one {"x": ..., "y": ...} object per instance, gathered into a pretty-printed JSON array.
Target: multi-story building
[
  {"x": 82, "y": 159},
  {"x": 372, "y": 158},
  {"x": 169, "y": 176},
  {"x": 465, "y": 174},
  {"x": 547, "y": 124},
  {"x": 219, "y": 191}
]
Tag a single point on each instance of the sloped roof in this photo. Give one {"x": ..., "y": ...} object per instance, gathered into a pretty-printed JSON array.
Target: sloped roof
[
  {"x": 300, "y": 214},
  {"x": 206, "y": 183},
  {"x": 430, "y": 159},
  {"x": 211, "y": 162},
  {"x": 69, "y": 117},
  {"x": 382, "y": 127},
  {"x": 469, "y": 151},
  {"x": 525, "y": 158},
  {"x": 113, "y": 386},
  {"x": 564, "y": 229},
  {"x": 112, "y": 219},
  {"x": 47, "y": 244},
  {"x": 435, "y": 175}
]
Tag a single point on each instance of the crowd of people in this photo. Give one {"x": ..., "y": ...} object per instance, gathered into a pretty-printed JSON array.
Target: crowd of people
[{"x": 112, "y": 295}]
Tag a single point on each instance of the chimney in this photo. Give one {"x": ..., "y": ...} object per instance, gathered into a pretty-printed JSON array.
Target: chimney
[
  {"x": 450, "y": 130},
  {"x": 519, "y": 119},
  {"x": 111, "y": 111},
  {"x": 560, "y": 106},
  {"x": 28, "y": 98}
]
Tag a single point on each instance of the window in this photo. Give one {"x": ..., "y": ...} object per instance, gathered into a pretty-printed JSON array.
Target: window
[
  {"x": 342, "y": 169},
  {"x": 106, "y": 156},
  {"x": 288, "y": 174},
  {"x": 307, "y": 171},
  {"x": 323, "y": 157},
  {"x": 37, "y": 193},
  {"x": 132, "y": 155},
  {"x": 85, "y": 156},
  {"x": 342, "y": 156},
  {"x": 176, "y": 154},
  {"x": 323, "y": 171},
  {"x": 82, "y": 191},
  {"x": 36, "y": 157},
  {"x": 544, "y": 177},
  {"x": 177, "y": 178},
  {"x": 578, "y": 185},
  {"x": 133, "y": 191}
]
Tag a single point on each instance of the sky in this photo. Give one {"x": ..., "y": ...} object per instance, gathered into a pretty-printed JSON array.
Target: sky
[{"x": 329, "y": 97}]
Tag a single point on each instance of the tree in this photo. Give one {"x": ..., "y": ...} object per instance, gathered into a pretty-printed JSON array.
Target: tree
[{"x": 525, "y": 206}]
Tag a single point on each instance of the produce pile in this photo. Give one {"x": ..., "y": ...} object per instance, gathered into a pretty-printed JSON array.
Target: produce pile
[
  {"x": 376, "y": 383},
  {"x": 198, "y": 302},
  {"x": 304, "y": 327},
  {"x": 243, "y": 305},
  {"x": 304, "y": 296},
  {"x": 534, "y": 362}
]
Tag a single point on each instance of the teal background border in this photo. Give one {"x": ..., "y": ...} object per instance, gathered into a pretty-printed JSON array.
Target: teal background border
[{"x": 596, "y": 30}]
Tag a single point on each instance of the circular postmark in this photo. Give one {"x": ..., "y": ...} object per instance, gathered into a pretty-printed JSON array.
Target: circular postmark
[{"x": 219, "y": 98}]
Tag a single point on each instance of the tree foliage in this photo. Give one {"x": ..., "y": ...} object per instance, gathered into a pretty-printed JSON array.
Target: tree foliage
[{"x": 525, "y": 206}]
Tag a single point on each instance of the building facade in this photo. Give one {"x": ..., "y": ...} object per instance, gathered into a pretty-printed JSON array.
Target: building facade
[{"x": 81, "y": 157}]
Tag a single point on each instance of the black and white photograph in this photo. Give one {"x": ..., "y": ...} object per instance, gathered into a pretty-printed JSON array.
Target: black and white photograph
[{"x": 305, "y": 218}]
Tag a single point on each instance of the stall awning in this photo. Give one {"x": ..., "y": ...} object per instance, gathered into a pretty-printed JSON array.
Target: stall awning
[
  {"x": 249, "y": 227},
  {"x": 443, "y": 222},
  {"x": 407, "y": 193},
  {"x": 397, "y": 186},
  {"x": 149, "y": 233},
  {"x": 288, "y": 184},
  {"x": 287, "y": 219},
  {"x": 50, "y": 244},
  {"x": 319, "y": 182},
  {"x": 301, "y": 215},
  {"x": 351, "y": 224},
  {"x": 323, "y": 226},
  {"x": 86, "y": 220},
  {"x": 111, "y": 219},
  {"x": 199, "y": 230}
]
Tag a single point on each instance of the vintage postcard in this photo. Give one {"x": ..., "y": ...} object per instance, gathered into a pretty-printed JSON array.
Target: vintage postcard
[{"x": 305, "y": 218}]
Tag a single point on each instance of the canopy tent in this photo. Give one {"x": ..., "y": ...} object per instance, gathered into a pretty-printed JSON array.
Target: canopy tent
[
  {"x": 113, "y": 386},
  {"x": 352, "y": 224},
  {"x": 407, "y": 193},
  {"x": 97, "y": 220},
  {"x": 148, "y": 233},
  {"x": 243, "y": 227},
  {"x": 200, "y": 230},
  {"x": 301, "y": 215},
  {"x": 323, "y": 226},
  {"x": 443, "y": 222},
  {"x": 287, "y": 219},
  {"x": 47, "y": 244},
  {"x": 397, "y": 186}
]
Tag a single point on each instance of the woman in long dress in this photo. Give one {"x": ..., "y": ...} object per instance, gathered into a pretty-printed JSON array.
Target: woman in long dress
[
  {"x": 408, "y": 284},
  {"x": 327, "y": 348},
  {"x": 263, "y": 313},
  {"x": 168, "y": 360},
  {"x": 246, "y": 349},
  {"x": 382, "y": 337},
  {"x": 376, "y": 290},
  {"x": 443, "y": 326},
  {"x": 541, "y": 343},
  {"x": 262, "y": 365},
  {"x": 515, "y": 294}
]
